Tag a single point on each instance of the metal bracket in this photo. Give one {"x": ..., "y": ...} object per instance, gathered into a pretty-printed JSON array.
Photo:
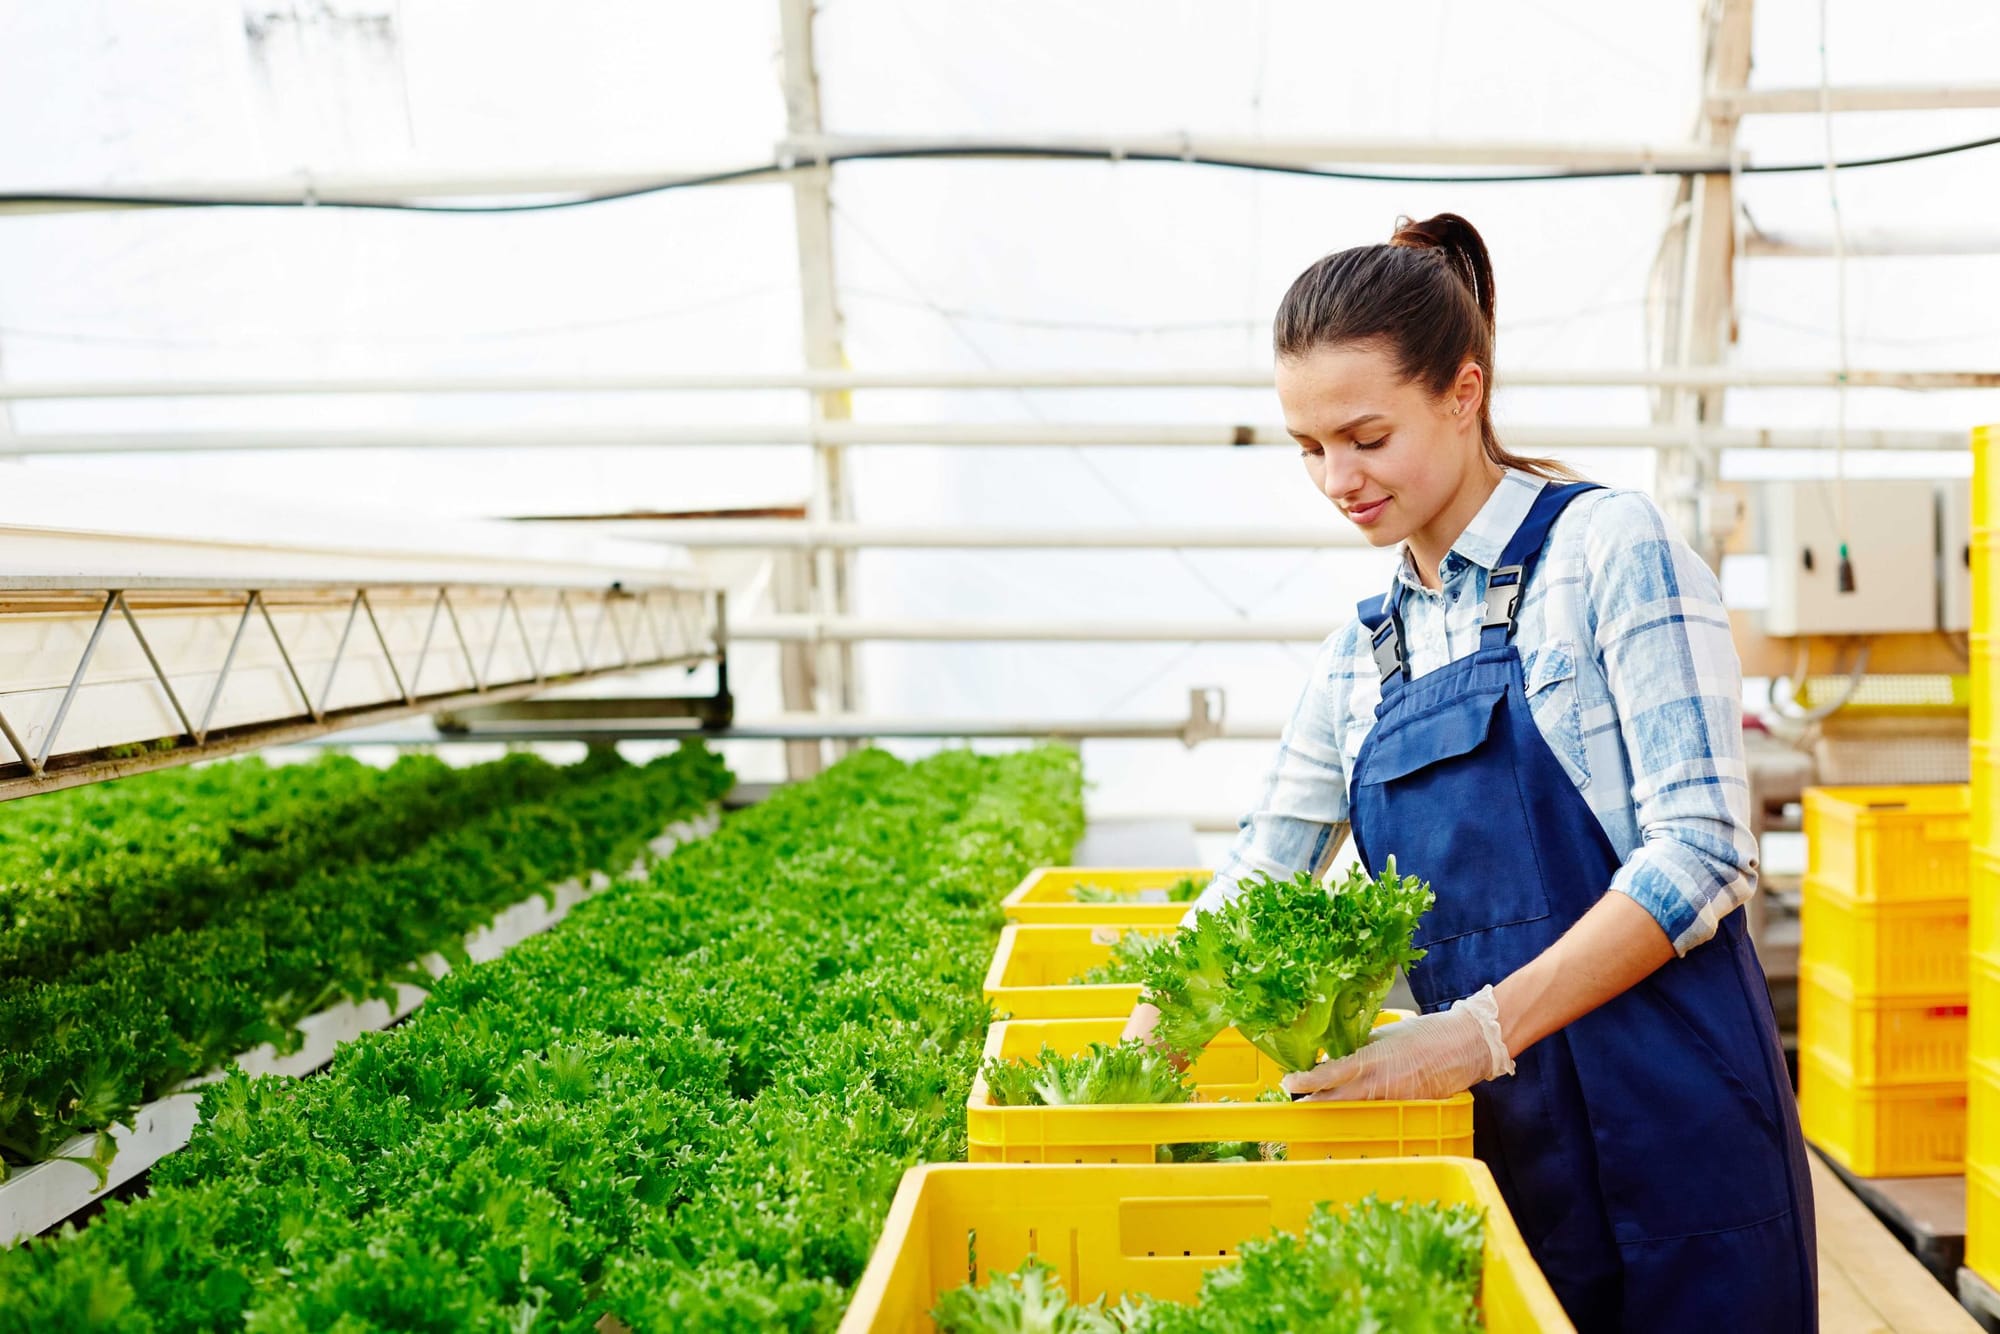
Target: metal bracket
[{"x": 1206, "y": 706}]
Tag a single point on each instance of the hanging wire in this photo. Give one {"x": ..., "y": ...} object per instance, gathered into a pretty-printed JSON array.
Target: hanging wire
[{"x": 946, "y": 152}]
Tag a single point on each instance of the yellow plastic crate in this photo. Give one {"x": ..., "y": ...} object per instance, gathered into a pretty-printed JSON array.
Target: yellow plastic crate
[
  {"x": 1892, "y": 1131},
  {"x": 1983, "y": 1000},
  {"x": 1114, "y": 1229},
  {"x": 1885, "y": 949},
  {"x": 1982, "y": 690},
  {"x": 1029, "y": 977},
  {"x": 1986, "y": 581},
  {"x": 1982, "y": 1133},
  {"x": 1982, "y": 1222},
  {"x": 1985, "y": 828},
  {"x": 1986, "y": 476},
  {"x": 1890, "y": 844},
  {"x": 1873, "y": 1041},
  {"x": 1047, "y": 896},
  {"x": 1229, "y": 1068},
  {"x": 1984, "y": 934}
]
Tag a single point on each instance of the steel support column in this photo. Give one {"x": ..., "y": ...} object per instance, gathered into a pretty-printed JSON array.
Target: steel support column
[
  {"x": 1700, "y": 324},
  {"x": 830, "y": 500}
]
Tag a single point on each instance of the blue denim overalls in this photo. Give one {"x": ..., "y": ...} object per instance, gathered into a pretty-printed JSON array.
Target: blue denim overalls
[{"x": 1650, "y": 1151}]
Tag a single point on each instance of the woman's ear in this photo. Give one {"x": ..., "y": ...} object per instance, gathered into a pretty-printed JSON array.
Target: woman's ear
[{"x": 1468, "y": 392}]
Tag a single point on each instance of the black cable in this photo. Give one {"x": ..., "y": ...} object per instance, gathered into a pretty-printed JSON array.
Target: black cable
[{"x": 1021, "y": 151}]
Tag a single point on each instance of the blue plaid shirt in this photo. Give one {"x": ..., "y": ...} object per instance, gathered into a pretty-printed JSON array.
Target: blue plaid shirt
[{"x": 1632, "y": 677}]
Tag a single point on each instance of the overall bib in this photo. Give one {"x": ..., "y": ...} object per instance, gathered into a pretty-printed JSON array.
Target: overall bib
[{"x": 1650, "y": 1151}]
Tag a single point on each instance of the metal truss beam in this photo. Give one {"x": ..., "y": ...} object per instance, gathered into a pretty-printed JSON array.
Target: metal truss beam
[{"x": 294, "y": 688}]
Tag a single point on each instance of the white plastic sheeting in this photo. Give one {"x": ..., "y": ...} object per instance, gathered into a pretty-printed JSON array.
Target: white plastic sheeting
[{"x": 939, "y": 264}]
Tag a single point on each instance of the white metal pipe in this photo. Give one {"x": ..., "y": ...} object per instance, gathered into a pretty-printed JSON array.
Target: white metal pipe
[
  {"x": 765, "y": 534},
  {"x": 852, "y": 726},
  {"x": 1198, "y": 377},
  {"x": 1872, "y": 242},
  {"x": 1203, "y": 822},
  {"x": 809, "y": 726},
  {"x": 1302, "y": 152},
  {"x": 911, "y": 433},
  {"x": 1884, "y": 97},
  {"x": 856, "y": 629}
]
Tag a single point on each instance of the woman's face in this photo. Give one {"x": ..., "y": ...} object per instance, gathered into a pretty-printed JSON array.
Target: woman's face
[{"x": 1388, "y": 454}]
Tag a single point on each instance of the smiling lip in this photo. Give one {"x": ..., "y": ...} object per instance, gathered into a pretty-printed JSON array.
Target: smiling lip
[{"x": 1367, "y": 514}]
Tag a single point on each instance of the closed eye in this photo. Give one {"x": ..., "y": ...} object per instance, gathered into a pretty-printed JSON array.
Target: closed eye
[{"x": 1371, "y": 444}]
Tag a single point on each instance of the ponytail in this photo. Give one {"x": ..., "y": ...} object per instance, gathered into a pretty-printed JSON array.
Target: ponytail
[{"x": 1427, "y": 296}]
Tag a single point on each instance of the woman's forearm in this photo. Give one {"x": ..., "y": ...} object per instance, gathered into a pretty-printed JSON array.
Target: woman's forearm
[
  {"x": 1614, "y": 946},
  {"x": 1611, "y": 948}
]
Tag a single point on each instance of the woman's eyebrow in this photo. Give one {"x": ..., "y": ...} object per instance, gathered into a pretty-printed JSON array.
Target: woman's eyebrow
[{"x": 1347, "y": 428}]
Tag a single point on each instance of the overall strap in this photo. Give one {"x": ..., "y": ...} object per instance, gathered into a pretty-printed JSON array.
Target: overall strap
[
  {"x": 1509, "y": 580},
  {"x": 1384, "y": 625},
  {"x": 1383, "y": 621}
]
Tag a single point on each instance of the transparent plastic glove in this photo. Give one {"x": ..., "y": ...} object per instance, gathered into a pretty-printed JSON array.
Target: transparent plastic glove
[{"x": 1429, "y": 1056}]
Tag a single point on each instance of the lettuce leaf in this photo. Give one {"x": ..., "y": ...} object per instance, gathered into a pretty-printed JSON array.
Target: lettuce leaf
[
  {"x": 1411, "y": 1266},
  {"x": 1130, "y": 1072},
  {"x": 1028, "y": 1301},
  {"x": 1127, "y": 962},
  {"x": 1298, "y": 967}
]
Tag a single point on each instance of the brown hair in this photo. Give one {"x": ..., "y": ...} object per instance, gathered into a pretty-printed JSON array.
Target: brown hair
[{"x": 1426, "y": 297}]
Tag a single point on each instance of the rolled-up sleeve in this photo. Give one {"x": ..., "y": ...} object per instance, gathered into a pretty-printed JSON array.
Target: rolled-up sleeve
[
  {"x": 1663, "y": 636},
  {"x": 1301, "y": 813}
]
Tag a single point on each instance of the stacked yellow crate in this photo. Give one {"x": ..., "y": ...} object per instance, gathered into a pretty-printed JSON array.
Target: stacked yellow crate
[
  {"x": 1883, "y": 981},
  {"x": 1982, "y": 1166},
  {"x": 1033, "y": 987},
  {"x": 1137, "y": 1225}
]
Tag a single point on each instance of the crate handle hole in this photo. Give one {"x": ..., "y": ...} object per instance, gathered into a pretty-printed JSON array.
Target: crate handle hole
[{"x": 1167, "y": 1225}]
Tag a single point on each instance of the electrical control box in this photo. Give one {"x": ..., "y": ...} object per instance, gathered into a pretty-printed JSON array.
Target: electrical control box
[
  {"x": 1955, "y": 556},
  {"x": 1892, "y": 539}
]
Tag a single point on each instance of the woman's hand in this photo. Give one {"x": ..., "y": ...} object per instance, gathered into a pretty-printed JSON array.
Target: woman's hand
[
  {"x": 1139, "y": 1028},
  {"x": 1613, "y": 947},
  {"x": 1429, "y": 1056}
]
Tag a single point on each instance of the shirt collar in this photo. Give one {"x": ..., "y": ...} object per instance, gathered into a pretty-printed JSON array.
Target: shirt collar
[{"x": 1485, "y": 539}]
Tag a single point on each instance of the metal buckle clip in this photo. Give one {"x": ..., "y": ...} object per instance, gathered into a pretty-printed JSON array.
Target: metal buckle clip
[
  {"x": 1388, "y": 649},
  {"x": 1503, "y": 597}
]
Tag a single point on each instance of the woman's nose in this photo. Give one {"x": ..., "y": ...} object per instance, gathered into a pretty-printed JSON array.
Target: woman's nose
[{"x": 1337, "y": 475}]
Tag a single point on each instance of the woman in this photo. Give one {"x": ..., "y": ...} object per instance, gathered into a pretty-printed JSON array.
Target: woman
[{"x": 1542, "y": 717}]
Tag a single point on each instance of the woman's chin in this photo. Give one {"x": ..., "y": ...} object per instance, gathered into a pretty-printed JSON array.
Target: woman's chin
[{"x": 1379, "y": 536}]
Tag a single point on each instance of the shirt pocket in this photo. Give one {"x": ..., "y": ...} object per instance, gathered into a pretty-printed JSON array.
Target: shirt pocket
[{"x": 1558, "y": 708}]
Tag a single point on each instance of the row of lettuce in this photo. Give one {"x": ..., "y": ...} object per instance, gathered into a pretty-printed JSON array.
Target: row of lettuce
[
  {"x": 230, "y": 902},
  {"x": 688, "y": 1108}
]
